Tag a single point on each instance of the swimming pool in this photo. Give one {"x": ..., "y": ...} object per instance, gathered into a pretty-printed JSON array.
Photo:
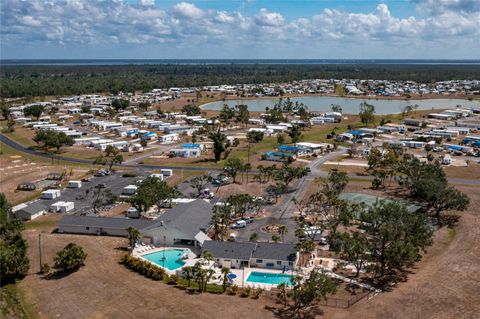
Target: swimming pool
[
  {"x": 173, "y": 258},
  {"x": 269, "y": 278}
]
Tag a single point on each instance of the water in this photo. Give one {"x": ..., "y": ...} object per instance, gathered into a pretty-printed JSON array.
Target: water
[
  {"x": 349, "y": 105},
  {"x": 173, "y": 258},
  {"x": 269, "y": 278}
]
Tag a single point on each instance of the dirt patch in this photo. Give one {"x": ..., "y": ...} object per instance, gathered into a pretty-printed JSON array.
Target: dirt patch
[
  {"x": 105, "y": 289},
  {"x": 445, "y": 284}
]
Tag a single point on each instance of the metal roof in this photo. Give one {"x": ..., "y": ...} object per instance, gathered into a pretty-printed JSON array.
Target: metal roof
[{"x": 105, "y": 222}]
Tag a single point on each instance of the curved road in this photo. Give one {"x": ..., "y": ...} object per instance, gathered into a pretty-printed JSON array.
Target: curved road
[
  {"x": 315, "y": 166},
  {"x": 20, "y": 148}
]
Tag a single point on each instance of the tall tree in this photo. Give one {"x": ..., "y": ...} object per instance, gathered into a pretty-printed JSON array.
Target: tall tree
[
  {"x": 199, "y": 182},
  {"x": 367, "y": 113},
  {"x": 232, "y": 167},
  {"x": 120, "y": 104},
  {"x": 243, "y": 115},
  {"x": 219, "y": 141},
  {"x": 111, "y": 157},
  {"x": 396, "y": 236},
  {"x": 34, "y": 110},
  {"x": 295, "y": 133}
]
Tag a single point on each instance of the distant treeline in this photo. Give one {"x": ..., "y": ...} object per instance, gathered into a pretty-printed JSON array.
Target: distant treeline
[{"x": 43, "y": 80}]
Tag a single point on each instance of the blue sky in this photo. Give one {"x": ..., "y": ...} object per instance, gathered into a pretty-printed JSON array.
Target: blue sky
[{"x": 162, "y": 29}]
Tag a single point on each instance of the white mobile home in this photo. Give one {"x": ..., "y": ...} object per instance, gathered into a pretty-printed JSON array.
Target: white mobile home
[{"x": 168, "y": 138}]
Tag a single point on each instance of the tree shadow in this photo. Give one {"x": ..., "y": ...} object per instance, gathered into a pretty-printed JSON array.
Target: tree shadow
[
  {"x": 122, "y": 248},
  {"x": 59, "y": 274},
  {"x": 289, "y": 312}
]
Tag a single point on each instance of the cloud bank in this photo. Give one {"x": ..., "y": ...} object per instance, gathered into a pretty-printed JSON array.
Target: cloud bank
[{"x": 99, "y": 28}]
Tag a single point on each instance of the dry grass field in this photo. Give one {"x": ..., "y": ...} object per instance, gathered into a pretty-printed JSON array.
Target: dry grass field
[{"x": 445, "y": 284}]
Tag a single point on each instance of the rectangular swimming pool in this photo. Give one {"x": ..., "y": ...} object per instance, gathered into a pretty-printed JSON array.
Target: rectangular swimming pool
[
  {"x": 173, "y": 258},
  {"x": 269, "y": 278}
]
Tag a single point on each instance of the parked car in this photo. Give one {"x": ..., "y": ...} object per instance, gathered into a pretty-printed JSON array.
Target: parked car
[
  {"x": 86, "y": 179},
  {"x": 249, "y": 220},
  {"x": 239, "y": 224},
  {"x": 99, "y": 186}
]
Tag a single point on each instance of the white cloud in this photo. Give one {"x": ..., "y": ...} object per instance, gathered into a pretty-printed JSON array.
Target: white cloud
[
  {"x": 270, "y": 19},
  {"x": 118, "y": 22},
  {"x": 188, "y": 10},
  {"x": 147, "y": 3}
]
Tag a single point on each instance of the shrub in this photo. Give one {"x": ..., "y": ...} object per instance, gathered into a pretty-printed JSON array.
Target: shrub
[
  {"x": 143, "y": 267},
  {"x": 172, "y": 280},
  {"x": 70, "y": 258},
  {"x": 232, "y": 290},
  {"x": 255, "y": 294},
  {"x": 45, "y": 269},
  {"x": 245, "y": 292}
]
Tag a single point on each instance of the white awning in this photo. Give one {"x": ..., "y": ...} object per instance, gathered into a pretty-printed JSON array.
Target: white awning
[{"x": 201, "y": 237}]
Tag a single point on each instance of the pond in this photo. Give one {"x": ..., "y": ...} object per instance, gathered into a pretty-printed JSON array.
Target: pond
[{"x": 349, "y": 105}]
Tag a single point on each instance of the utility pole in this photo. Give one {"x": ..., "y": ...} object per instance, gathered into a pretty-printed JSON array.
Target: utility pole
[{"x": 40, "y": 249}]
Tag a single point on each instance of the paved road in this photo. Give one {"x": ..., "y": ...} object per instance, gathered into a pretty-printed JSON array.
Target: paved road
[
  {"x": 282, "y": 213},
  {"x": 23, "y": 149}
]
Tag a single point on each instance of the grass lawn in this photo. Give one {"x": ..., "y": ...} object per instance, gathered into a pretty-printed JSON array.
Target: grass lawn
[
  {"x": 8, "y": 151},
  {"x": 13, "y": 304}
]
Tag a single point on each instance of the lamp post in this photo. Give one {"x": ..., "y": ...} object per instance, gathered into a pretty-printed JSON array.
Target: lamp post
[{"x": 164, "y": 245}]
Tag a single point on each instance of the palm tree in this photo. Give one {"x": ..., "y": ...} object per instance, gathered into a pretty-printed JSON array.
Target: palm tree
[
  {"x": 133, "y": 236},
  {"x": 225, "y": 273},
  {"x": 207, "y": 255},
  {"x": 282, "y": 230},
  {"x": 275, "y": 238},
  {"x": 188, "y": 274}
]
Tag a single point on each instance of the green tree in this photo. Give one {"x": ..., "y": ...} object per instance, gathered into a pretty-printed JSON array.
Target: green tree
[
  {"x": 120, "y": 104},
  {"x": 187, "y": 272},
  {"x": 221, "y": 219},
  {"x": 191, "y": 110},
  {"x": 336, "y": 108},
  {"x": 232, "y": 167},
  {"x": 225, "y": 273},
  {"x": 240, "y": 204},
  {"x": 282, "y": 230},
  {"x": 219, "y": 141},
  {"x": 34, "y": 110},
  {"x": 280, "y": 139},
  {"x": 307, "y": 292},
  {"x": 367, "y": 113},
  {"x": 243, "y": 115},
  {"x": 133, "y": 236},
  {"x": 144, "y": 105},
  {"x": 253, "y": 237},
  {"x": 396, "y": 236},
  {"x": 254, "y": 136},
  {"x": 14, "y": 263},
  {"x": 152, "y": 191},
  {"x": 287, "y": 174},
  {"x": 226, "y": 114},
  {"x": 354, "y": 249},
  {"x": 111, "y": 157},
  {"x": 52, "y": 139},
  {"x": 70, "y": 258},
  {"x": 4, "y": 110},
  {"x": 99, "y": 197},
  {"x": 295, "y": 133},
  {"x": 199, "y": 182}
]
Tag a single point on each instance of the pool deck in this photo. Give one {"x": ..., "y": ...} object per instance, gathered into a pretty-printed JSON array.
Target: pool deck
[
  {"x": 139, "y": 253},
  {"x": 242, "y": 275}
]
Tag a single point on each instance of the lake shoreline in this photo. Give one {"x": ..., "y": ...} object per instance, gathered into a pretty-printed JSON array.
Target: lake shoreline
[{"x": 421, "y": 99}]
